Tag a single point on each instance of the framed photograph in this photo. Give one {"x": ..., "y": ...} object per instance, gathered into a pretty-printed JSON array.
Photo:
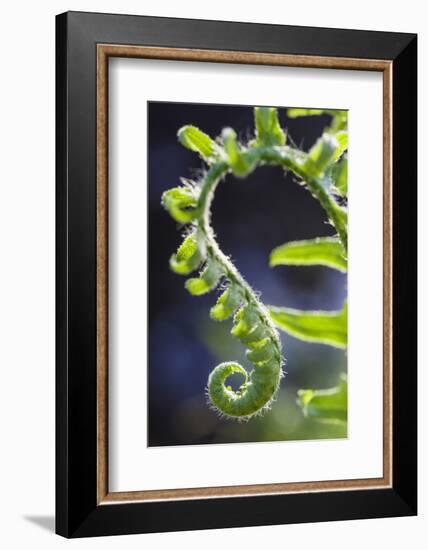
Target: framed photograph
[{"x": 236, "y": 274}]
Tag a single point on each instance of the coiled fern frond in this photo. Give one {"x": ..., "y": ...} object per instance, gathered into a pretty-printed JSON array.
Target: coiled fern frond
[{"x": 190, "y": 205}]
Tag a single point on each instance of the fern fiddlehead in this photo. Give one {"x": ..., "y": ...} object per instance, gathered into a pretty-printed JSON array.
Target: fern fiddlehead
[
  {"x": 190, "y": 205},
  {"x": 252, "y": 323}
]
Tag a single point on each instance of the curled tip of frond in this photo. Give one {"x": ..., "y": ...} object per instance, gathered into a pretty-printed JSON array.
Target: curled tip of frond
[
  {"x": 244, "y": 414},
  {"x": 260, "y": 385}
]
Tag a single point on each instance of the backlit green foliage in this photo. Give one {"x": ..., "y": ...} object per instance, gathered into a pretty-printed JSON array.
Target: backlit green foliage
[
  {"x": 195, "y": 140},
  {"x": 324, "y": 327},
  {"x": 323, "y": 171},
  {"x": 329, "y": 405},
  {"x": 326, "y": 251}
]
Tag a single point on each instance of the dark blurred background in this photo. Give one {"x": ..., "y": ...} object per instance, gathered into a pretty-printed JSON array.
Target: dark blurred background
[{"x": 250, "y": 218}]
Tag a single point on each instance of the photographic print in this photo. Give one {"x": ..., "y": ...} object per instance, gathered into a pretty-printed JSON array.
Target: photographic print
[
  {"x": 247, "y": 273},
  {"x": 203, "y": 289}
]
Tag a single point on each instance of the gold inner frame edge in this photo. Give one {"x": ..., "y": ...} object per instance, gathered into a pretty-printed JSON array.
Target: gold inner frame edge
[{"x": 104, "y": 52}]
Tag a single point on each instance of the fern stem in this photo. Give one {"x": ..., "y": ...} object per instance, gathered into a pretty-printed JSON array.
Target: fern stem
[{"x": 208, "y": 186}]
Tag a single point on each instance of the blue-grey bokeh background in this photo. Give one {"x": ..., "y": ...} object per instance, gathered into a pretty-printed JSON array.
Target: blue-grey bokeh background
[{"x": 250, "y": 218}]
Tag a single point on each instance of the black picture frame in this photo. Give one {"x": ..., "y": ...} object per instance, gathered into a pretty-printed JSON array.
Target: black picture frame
[{"x": 78, "y": 512}]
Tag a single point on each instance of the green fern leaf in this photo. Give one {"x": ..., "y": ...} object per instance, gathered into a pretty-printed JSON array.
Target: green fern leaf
[
  {"x": 196, "y": 140},
  {"x": 326, "y": 251},
  {"x": 324, "y": 327},
  {"x": 329, "y": 405}
]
